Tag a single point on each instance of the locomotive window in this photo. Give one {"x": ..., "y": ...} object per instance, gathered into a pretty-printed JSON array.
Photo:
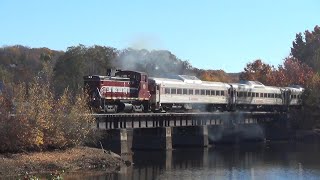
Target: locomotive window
[
  {"x": 185, "y": 91},
  {"x": 179, "y": 91},
  {"x": 265, "y": 95},
  {"x": 218, "y": 93},
  {"x": 197, "y": 92},
  {"x": 222, "y": 93},
  {"x": 213, "y": 93},
  {"x": 167, "y": 90},
  {"x": 190, "y": 91},
  {"x": 203, "y": 92},
  {"x": 173, "y": 91},
  {"x": 208, "y": 92}
]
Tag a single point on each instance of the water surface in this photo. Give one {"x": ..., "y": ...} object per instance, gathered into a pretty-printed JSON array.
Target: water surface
[{"x": 256, "y": 161}]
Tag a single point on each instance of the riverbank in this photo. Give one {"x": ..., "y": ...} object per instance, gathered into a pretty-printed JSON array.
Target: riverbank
[{"x": 75, "y": 159}]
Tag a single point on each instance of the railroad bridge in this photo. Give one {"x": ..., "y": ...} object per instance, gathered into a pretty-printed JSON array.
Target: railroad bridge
[{"x": 126, "y": 131}]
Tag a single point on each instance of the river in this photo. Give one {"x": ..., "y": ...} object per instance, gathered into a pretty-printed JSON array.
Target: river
[{"x": 253, "y": 161}]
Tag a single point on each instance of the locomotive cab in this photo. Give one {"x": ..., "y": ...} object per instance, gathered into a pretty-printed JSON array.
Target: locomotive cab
[
  {"x": 125, "y": 91},
  {"x": 138, "y": 80}
]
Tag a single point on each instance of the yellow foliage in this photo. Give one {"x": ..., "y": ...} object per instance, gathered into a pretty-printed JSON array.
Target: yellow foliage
[{"x": 41, "y": 121}]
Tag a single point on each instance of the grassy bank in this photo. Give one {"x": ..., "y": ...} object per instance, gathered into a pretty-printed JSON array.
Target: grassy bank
[{"x": 70, "y": 160}]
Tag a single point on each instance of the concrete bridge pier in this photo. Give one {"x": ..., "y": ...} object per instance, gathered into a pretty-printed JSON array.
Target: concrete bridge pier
[
  {"x": 158, "y": 138},
  {"x": 196, "y": 136}
]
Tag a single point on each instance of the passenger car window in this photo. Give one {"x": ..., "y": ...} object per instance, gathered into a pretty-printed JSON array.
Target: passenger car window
[
  {"x": 184, "y": 91},
  {"x": 167, "y": 90},
  {"x": 218, "y": 93}
]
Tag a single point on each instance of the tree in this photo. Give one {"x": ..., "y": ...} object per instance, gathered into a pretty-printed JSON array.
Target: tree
[
  {"x": 307, "y": 48},
  {"x": 257, "y": 71},
  {"x": 79, "y": 61},
  {"x": 292, "y": 72}
]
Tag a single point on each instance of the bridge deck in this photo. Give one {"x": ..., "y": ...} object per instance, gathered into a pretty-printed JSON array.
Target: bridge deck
[{"x": 148, "y": 120}]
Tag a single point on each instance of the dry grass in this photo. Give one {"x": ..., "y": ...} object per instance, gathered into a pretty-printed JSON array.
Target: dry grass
[{"x": 72, "y": 160}]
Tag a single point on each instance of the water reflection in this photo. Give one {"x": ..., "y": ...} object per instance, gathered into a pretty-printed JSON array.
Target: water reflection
[{"x": 248, "y": 161}]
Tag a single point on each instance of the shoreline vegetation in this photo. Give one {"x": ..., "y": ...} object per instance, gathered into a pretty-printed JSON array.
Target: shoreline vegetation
[{"x": 75, "y": 159}]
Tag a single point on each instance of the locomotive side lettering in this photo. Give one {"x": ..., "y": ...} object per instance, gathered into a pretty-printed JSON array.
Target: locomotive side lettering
[{"x": 114, "y": 89}]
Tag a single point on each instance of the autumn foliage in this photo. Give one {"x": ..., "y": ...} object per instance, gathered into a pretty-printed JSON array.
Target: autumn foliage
[
  {"x": 35, "y": 120},
  {"x": 292, "y": 72},
  {"x": 216, "y": 75}
]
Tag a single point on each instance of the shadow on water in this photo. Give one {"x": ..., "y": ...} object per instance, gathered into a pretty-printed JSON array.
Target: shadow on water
[{"x": 246, "y": 161}]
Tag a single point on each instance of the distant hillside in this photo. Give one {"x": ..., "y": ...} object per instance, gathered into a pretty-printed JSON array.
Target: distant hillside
[{"x": 21, "y": 64}]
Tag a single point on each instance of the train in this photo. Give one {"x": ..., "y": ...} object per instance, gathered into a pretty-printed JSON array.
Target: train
[{"x": 133, "y": 91}]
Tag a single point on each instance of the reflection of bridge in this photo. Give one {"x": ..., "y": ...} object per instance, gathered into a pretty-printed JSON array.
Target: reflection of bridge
[
  {"x": 167, "y": 130},
  {"x": 248, "y": 161}
]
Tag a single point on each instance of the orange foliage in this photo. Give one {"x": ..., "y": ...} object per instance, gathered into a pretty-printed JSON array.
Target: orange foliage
[
  {"x": 258, "y": 71},
  {"x": 291, "y": 72},
  {"x": 215, "y": 75}
]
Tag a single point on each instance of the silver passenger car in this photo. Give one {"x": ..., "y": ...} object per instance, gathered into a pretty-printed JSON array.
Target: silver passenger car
[
  {"x": 253, "y": 95},
  {"x": 188, "y": 92}
]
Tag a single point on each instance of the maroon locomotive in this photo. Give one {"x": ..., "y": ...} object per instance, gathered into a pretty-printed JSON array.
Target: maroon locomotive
[{"x": 126, "y": 91}]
